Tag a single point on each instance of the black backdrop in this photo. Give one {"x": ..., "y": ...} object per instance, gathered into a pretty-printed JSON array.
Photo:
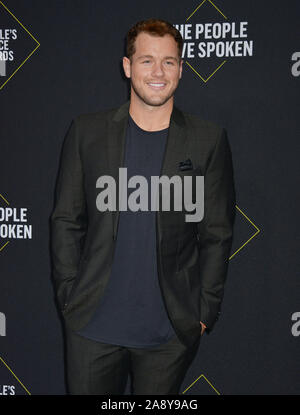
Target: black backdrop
[{"x": 75, "y": 68}]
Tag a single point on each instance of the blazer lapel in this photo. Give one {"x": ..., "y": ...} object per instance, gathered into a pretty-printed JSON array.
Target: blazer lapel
[
  {"x": 176, "y": 145},
  {"x": 116, "y": 136},
  {"x": 175, "y": 151}
]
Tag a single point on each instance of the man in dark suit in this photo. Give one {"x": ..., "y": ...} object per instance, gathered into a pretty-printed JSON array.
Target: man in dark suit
[{"x": 137, "y": 288}]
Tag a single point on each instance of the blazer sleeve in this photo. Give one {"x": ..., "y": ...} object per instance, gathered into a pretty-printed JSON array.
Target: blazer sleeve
[
  {"x": 68, "y": 219},
  {"x": 215, "y": 231}
]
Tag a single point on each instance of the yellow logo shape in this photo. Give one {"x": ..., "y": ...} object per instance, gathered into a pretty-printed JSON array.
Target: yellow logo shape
[{"x": 31, "y": 53}]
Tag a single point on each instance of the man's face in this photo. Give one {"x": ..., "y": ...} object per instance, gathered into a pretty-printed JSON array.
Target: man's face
[{"x": 155, "y": 69}]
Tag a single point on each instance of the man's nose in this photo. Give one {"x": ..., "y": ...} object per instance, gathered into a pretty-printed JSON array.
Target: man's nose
[{"x": 157, "y": 69}]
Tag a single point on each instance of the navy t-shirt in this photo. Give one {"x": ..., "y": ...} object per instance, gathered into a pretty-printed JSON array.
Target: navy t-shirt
[{"x": 131, "y": 312}]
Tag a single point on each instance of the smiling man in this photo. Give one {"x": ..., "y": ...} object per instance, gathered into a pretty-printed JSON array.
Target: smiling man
[
  {"x": 154, "y": 68},
  {"x": 137, "y": 289}
]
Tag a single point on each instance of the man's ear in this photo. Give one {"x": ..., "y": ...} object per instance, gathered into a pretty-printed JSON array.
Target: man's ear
[{"x": 126, "y": 67}]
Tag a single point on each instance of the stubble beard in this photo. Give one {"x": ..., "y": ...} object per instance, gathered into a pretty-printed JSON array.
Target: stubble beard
[{"x": 153, "y": 102}]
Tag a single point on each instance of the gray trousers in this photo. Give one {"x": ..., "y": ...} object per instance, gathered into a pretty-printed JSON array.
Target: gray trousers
[{"x": 95, "y": 368}]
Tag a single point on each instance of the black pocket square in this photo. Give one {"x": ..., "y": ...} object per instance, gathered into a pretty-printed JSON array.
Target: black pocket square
[{"x": 185, "y": 165}]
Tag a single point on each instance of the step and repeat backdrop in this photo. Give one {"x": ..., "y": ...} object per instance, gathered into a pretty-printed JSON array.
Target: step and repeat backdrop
[{"x": 241, "y": 70}]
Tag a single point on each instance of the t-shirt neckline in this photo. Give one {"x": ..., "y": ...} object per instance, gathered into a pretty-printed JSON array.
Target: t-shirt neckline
[{"x": 134, "y": 124}]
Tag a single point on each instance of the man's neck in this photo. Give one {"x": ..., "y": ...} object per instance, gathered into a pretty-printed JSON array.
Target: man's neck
[{"x": 151, "y": 118}]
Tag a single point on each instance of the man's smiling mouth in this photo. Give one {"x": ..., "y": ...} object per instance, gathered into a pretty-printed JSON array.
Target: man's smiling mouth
[{"x": 157, "y": 85}]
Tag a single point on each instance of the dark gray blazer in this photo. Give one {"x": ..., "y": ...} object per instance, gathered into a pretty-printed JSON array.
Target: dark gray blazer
[{"x": 192, "y": 257}]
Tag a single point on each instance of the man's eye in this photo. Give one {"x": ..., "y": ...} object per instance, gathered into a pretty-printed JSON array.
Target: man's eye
[
  {"x": 170, "y": 63},
  {"x": 146, "y": 61}
]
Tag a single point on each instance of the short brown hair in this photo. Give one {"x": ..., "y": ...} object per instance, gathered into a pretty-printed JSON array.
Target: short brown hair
[{"x": 155, "y": 27}]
